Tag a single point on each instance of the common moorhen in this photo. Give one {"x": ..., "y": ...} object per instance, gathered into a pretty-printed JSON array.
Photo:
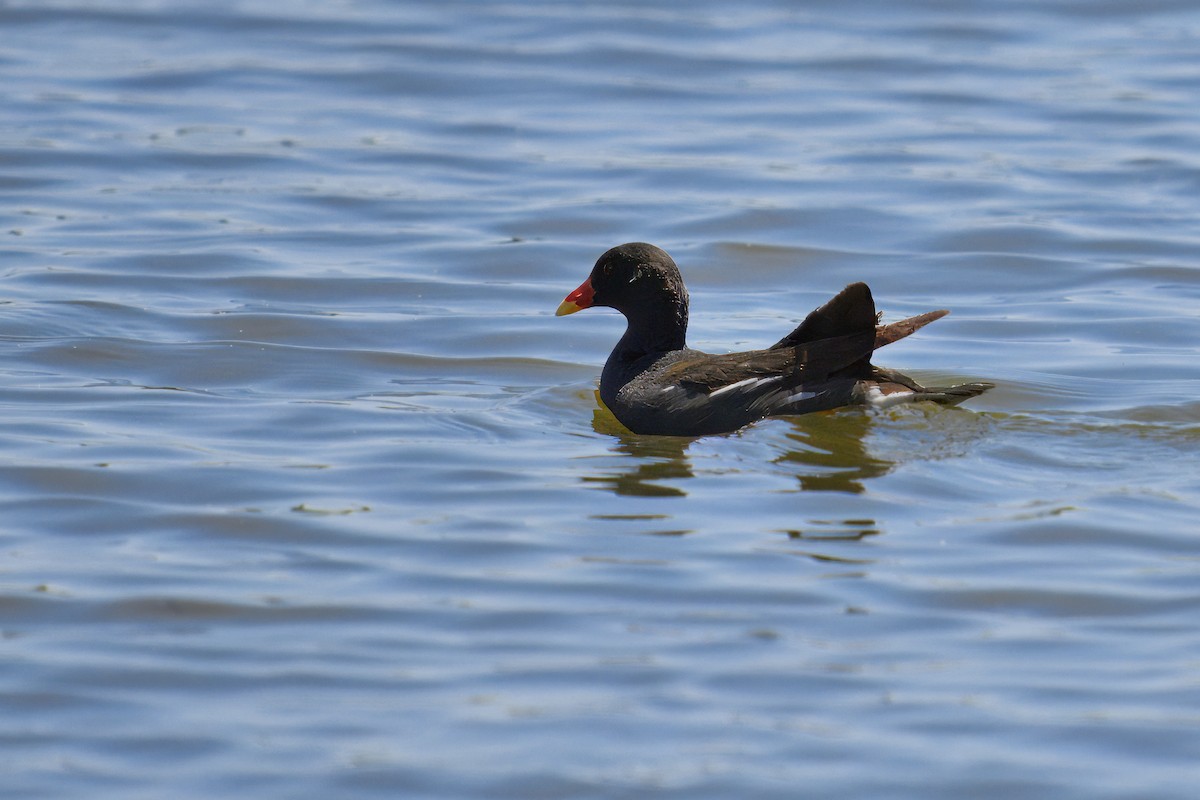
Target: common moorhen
[{"x": 655, "y": 384}]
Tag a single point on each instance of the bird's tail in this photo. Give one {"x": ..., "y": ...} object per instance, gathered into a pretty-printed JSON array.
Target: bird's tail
[
  {"x": 887, "y": 387},
  {"x": 952, "y": 395}
]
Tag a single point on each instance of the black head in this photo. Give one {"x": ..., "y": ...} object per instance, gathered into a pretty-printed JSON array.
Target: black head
[{"x": 643, "y": 283}]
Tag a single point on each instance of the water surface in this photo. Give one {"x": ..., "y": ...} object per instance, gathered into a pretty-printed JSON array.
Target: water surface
[{"x": 306, "y": 493}]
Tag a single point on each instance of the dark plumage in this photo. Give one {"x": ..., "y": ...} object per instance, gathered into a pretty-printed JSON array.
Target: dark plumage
[{"x": 654, "y": 383}]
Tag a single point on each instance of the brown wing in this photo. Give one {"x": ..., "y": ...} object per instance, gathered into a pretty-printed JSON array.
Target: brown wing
[
  {"x": 811, "y": 361},
  {"x": 707, "y": 373}
]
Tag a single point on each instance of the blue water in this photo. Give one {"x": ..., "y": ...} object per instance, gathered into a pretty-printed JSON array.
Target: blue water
[{"x": 306, "y": 493}]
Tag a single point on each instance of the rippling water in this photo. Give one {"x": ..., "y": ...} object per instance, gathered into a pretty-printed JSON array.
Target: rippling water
[{"x": 307, "y": 494}]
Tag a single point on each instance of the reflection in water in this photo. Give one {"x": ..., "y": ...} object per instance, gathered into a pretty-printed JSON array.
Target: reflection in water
[
  {"x": 820, "y": 532},
  {"x": 654, "y": 458},
  {"x": 831, "y": 450},
  {"x": 830, "y": 530},
  {"x": 828, "y": 455}
]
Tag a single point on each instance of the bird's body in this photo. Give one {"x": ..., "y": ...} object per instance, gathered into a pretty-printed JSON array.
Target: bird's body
[{"x": 655, "y": 384}]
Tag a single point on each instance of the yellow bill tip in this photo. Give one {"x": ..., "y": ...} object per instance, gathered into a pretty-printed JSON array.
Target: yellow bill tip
[{"x": 567, "y": 307}]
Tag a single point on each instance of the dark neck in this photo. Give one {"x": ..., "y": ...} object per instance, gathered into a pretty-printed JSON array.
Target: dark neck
[{"x": 649, "y": 333}]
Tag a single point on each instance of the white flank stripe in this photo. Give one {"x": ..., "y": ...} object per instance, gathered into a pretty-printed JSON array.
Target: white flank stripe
[
  {"x": 746, "y": 382},
  {"x": 798, "y": 396}
]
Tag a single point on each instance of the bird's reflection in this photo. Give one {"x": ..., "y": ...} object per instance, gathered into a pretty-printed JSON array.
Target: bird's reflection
[
  {"x": 653, "y": 459},
  {"x": 830, "y": 452},
  {"x": 827, "y": 453}
]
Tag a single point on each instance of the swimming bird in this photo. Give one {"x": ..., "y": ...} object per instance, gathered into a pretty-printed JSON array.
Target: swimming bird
[{"x": 655, "y": 384}]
